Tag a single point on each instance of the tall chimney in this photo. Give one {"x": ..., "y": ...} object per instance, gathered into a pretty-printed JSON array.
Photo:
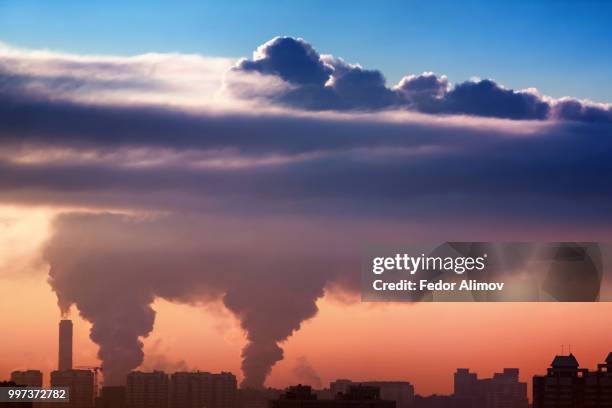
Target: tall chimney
[{"x": 65, "y": 345}]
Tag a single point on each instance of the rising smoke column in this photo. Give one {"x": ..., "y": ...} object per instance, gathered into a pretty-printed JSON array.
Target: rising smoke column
[
  {"x": 270, "y": 314},
  {"x": 112, "y": 267},
  {"x": 119, "y": 310},
  {"x": 87, "y": 271}
]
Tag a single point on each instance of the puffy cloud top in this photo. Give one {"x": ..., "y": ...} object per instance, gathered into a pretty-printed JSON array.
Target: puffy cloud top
[
  {"x": 486, "y": 98},
  {"x": 328, "y": 83},
  {"x": 294, "y": 60},
  {"x": 573, "y": 109}
]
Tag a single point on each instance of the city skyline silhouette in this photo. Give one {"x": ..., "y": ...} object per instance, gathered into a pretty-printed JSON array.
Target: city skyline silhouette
[{"x": 158, "y": 389}]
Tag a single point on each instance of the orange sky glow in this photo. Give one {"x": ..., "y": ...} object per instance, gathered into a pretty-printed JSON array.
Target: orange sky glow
[{"x": 420, "y": 343}]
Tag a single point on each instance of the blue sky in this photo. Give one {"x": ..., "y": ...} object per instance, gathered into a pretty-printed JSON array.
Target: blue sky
[{"x": 562, "y": 48}]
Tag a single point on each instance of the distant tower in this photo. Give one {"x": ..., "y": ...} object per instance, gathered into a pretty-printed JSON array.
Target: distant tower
[{"x": 65, "y": 345}]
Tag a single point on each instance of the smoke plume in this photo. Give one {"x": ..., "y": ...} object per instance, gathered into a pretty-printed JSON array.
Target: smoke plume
[
  {"x": 306, "y": 373},
  {"x": 156, "y": 359},
  {"x": 112, "y": 267}
]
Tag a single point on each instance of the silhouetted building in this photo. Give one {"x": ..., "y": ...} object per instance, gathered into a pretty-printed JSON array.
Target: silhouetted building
[
  {"x": 402, "y": 392},
  {"x": 298, "y": 393},
  {"x": 598, "y": 385},
  {"x": 147, "y": 390},
  {"x": 433, "y": 401},
  {"x": 65, "y": 346},
  {"x": 201, "y": 389},
  {"x": 225, "y": 390},
  {"x": 256, "y": 397},
  {"x": 30, "y": 378},
  {"x": 81, "y": 385},
  {"x": 567, "y": 385},
  {"x": 111, "y": 396},
  {"x": 465, "y": 383},
  {"x": 323, "y": 393},
  {"x": 562, "y": 386},
  {"x": 361, "y": 393},
  {"x": 358, "y": 396},
  {"x": 503, "y": 390},
  {"x": 13, "y": 404},
  {"x": 340, "y": 386}
]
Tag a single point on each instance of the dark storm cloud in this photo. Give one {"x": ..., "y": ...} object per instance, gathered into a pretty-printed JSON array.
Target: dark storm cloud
[{"x": 327, "y": 83}]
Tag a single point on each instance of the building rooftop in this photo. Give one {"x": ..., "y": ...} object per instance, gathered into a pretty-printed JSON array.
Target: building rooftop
[{"x": 565, "y": 362}]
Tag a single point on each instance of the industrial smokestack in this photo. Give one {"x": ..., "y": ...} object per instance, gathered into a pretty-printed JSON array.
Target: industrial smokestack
[{"x": 65, "y": 345}]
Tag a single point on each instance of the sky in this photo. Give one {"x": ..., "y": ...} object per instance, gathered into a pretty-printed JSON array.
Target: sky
[
  {"x": 560, "y": 47},
  {"x": 194, "y": 185}
]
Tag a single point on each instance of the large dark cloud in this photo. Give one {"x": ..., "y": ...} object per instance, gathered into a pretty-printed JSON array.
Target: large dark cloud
[
  {"x": 327, "y": 83},
  {"x": 354, "y": 162}
]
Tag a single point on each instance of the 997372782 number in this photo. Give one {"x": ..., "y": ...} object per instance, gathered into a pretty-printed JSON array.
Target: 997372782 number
[{"x": 57, "y": 394}]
